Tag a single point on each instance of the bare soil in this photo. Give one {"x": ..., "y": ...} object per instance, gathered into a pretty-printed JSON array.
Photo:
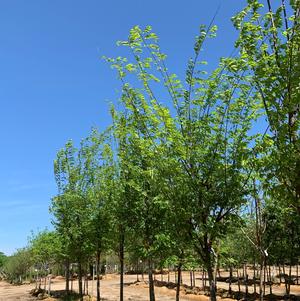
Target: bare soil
[
  {"x": 10, "y": 292},
  {"x": 133, "y": 290}
]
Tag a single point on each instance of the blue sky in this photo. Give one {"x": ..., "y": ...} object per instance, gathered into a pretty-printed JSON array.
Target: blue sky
[{"x": 54, "y": 85}]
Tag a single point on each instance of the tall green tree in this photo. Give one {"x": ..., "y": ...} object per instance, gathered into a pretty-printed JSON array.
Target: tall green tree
[
  {"x": 269, "y": 45},
  {"x": 71, "y": 207},
  {"x": 207, "y": 140}
]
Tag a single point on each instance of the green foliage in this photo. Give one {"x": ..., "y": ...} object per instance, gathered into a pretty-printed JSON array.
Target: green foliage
[
  {"x": 3, "y": 259},
  {"x": 17, "y": 266},
  {"x": 46, "y": 249},
  {"x": 184, "y": 176}
]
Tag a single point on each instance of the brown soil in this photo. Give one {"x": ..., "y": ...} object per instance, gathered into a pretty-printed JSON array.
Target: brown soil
[
  {"x": 133, "y": 291},
  {"x": 10, "y": 292}
]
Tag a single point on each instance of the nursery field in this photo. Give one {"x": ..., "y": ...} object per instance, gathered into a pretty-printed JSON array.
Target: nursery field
[
  {"x": 195, "y": 181},
  {"x": 139, "y": 291}
]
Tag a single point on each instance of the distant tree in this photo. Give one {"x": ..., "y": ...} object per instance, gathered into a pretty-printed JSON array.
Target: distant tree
[
  {"x": 46, "y": 249},
  {"x": 3, "y": 258},
  {"x": 17, "y": 266}
]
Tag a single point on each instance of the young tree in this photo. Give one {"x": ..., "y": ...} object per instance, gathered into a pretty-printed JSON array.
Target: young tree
[
  {"x": 207, "y": 141},
  {"x": 71, "y": 208}
]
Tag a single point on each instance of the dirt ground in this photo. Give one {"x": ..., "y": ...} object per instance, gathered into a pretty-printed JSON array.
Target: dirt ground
[
  {"x": 10, "y": 292},
  {"x": 132, "y": 291},
  {"x": 109, "y": 290}
]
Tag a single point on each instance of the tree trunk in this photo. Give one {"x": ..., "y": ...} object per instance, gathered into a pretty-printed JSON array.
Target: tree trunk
[
  {"x": 178, "y": 281},
  {"x": 238, "y": 277},
  {"x": 49, "y": 286},
  {"x": 290, "y": 278},
  {"x": 246, "y": 281},
  {"x": 80, "y": 280},
  {"x": 254, "y": 278},
  {"x": 121, "y": 251},
  {"x": 261, "y": 280},
  {"x": 87, "y": 284},
  {"x": 280, "y": 280},
  {"x": 67, "y": 276},
  {"x": 93, "y": 278},
  {"x": 151, "y": 283},
  {"x": 285, "y": 279},
  {"x": 194, "y": 280},
  {"x": 264, "y": 278},
  {"x": 211, "y": 280},
  {"x": 270, "y": 279},
  {"x": 98, "y": 274},
  {"x": 191, "y": 278},
  {"x": 137, "y": 270},
  {"x": 230, "y": 280}
]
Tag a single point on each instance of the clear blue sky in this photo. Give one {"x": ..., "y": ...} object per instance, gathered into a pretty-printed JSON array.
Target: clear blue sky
[{"x": 54, "y": 86}]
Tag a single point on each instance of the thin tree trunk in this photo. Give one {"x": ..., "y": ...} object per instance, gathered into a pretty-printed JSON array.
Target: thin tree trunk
[
  {"x": 151, "y": 282},
  {"x": 270, "y": 279},
  {"x": 297, "y": 273},
  {"x": 290, "y": 278},
  {"x": 98, "y": 274},
  {"x": 93, "y": 278},
  {"x": 178, "y": 281},
  {"x": 80, "y": 280},
  {"x": 261, "y": 281},
  {"x": 194, "y": 279},
  {"x": 230, "y": 280},
  {"x": 246, "y": 281},
  {"x": 254, "y": 277},
  {"x": 280, "y": 280},
  {"x": 264, "y": 279},
  {"x": 191, "y": 278},
  {"x": 35, "y": 278},
  {"x": 67, "y": 276},
  {"x": 122, "y": 241},
  {"x": 285, "y": 279},
  {"x": 238, "y": 277},
  {"x": 87, "y": 285},
  {"x": 137, "y": 270}
]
